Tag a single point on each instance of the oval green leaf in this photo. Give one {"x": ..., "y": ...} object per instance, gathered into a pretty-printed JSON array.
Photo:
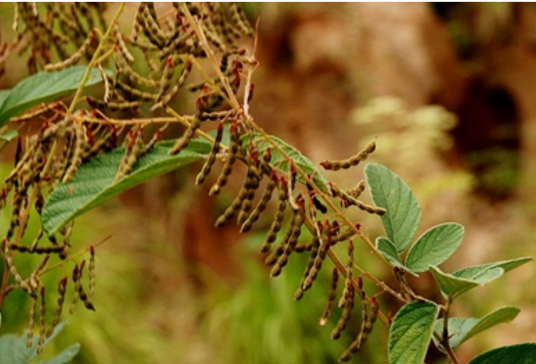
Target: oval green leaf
[
  {"x": 403, "y": 212},
  {"x": 453, "y": 286},
  {"x": 388, "y": 251},
  {"x": 279, "y": 161},
  {"x": 478, "y": 270},
  {"x": 462, "y": 329},
  {"x": 94, "y": 183},
  {"x": 434, "y": 246},
  {"x": 42, "y": 87},
  {"x": 411, "y": 332},
  {"x": 518, "y": 354}
]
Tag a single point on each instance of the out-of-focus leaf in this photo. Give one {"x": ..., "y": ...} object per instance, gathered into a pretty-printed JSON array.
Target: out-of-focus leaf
[{"x": 515, "y": 354}]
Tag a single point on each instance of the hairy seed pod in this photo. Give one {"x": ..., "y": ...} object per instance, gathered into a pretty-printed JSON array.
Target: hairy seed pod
[
  {"x": 124, "y": 68},
  {"x": 37, "y": 250},
  {"x": 8, "y": 257},
  {"x": 91, "y": 271},
  {"x": 31, "y": 323},
  {"x": 165, "y": 98},
  {"x": 135, "y": 93},
  {"x": 211, "y": 158},
  {"x": 132, "y": 153},
  {"x": 75, "y": 57},
  {"x": 331, "y": 297},
  {"x": 240, "y": 19},
  {"x": 150, "y": 26},
  {"x": 310, "y": 261},
  {"x": 261, "y": 205},
  {"x": 107, "y": 86},
  {"x": 120, "y": 41},
  {"x": 216, "y": 115},
  {"x": 279, "y": 215},
  {"x": 335, "y": 165},
  {"x": 188, "y": 134},
  {"x": 79, "y": 148},
  {"x": 113, "y": 106},
  {"x": 357, "y": 190},
  {"x": 345, "y": 316},
  {"x": 318, "y": 205},
  {"x": 136, "y": 25},
  {"x": 62, "y": 288},
  {"x": 236, "y": 204},
  {"x": 227, "y": 168},
  {"x": 76, "y": 277},
  {"x": 365, "y": 207},
  {"x": 85, "y": 299},
  {"x": 252, "y": 183},
  {"x": 167, "y": 74},
  {"x": 42, "y": 324},
  {"x": 349, "y": 270},
  {"x": 323, "y": 249}
]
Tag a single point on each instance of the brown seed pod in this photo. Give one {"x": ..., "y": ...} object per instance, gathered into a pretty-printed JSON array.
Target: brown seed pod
[
  {"x": 135, "y": 93},
  {"x": 91, "y": 271},
  {"x": 345, "y": 316},
  {"x": 42, "y": 324},
  {"x": 240, "y": 19},
  {"x": 124, "y": 68},
  {"x": 113, "y": 106},
  {"x": 188, "y": 134},
  {"x": 31, "y": 323},
  {"x": 120, "y": 41},
  {"x": 211, "y": 158},
  {"x": 79, "y": 149},
  {"x": 261, "y": 205},
  {"x": 335, "y": 165},
  {"x": 76, "y": 277},
  {"x": 279, "y": 215},
  {"x": 227, "y": 168},
  {"x": 325, "y": 244},
  {"x": 62, "y": 288},
  {"x": 357, "y": 190},
  {"x": 331, "y": 297},
  {"x": 236, "y": 205},
  {"x": 165, "y": 98},
  {"x": 349, "y": 270},
  {"x": 132, "y": 153},
  {"x": 151, "y": 27},
  {"x": 75, "y": 57}
]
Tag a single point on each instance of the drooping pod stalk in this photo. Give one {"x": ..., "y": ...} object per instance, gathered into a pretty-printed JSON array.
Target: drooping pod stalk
[
  {"x": 335, "y": 165},
  {"x": 227, "y": 168}
]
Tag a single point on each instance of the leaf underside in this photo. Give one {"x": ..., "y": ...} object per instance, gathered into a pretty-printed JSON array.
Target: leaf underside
[{"x": 403, "y": 212}]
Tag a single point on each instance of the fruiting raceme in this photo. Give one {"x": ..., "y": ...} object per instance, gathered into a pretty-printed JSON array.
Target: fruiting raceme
[
  {"x": 75, "y": 57},
  {"x": 227, "y": 168}
]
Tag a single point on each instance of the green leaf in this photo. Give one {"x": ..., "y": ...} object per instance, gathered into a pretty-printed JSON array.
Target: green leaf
[
  {"x": 13, "y": 348},
  {"x": 477, "y": 270},
  {"x": 515, "y": 354},
  {"x": 43, "y": 87},
  {"x": 388, "y": 251},
  {"x": 403, "y": 212},
  {"x": 434, "y": 246},
  {"x": 453, "y": 286},
  {"x": 462, "y": 329},
  {"x": 3, "y": 96},
  {"x": 9, "y": 135},
  {"x": 65, "y": 356},
  {"x": 94, "y": 183},
  {"x": 279, "y": 161},
  {"x": 411, "y": 332}
]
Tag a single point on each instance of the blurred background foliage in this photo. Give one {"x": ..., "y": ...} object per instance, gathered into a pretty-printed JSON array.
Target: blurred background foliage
[{"x": 446, "y": 89}]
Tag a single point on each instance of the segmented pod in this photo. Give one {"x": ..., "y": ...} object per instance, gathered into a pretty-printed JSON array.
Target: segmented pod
[
  {"x": 227, "y": 168},
  {"x": 75, "y": 57},
  {"x": 332, "y": 294},
  {"x": 211, "y": 158},
  {"x": 261, "y": 205},
  {"x": 335, "y": 165},
  {"x": 62, "y": 288}
]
